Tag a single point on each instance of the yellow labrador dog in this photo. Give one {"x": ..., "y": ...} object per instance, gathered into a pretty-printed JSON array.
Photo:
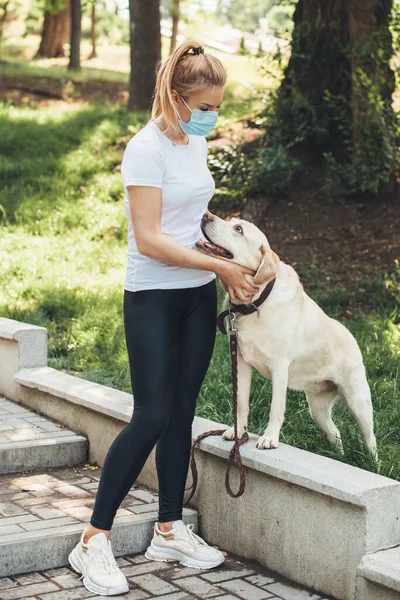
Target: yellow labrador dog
[{"x": 289, "y": 340}]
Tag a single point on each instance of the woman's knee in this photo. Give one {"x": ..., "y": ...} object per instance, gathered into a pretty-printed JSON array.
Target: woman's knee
[{"x": 151, "y": 421}]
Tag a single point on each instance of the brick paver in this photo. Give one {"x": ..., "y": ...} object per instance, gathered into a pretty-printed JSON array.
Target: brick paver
[{"x": 19, "y": 424}]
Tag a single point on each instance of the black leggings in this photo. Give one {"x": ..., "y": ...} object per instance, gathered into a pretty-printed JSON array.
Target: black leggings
[{"x": 170, "y": 336}]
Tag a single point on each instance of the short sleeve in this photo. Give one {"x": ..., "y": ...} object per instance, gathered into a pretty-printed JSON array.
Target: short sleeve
[{"x": 142, "y": 163}]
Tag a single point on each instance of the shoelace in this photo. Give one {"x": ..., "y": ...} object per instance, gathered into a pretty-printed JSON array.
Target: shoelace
[
  {"x": 107, "y": 560},
  {"x": 192, "y": 537}
]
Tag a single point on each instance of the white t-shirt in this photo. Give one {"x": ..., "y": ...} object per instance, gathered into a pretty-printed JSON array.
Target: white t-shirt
[{"x": 181, "y": 170}]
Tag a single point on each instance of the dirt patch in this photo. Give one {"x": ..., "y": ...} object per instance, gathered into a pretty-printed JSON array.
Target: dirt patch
[{"x": 50, "y": 91}]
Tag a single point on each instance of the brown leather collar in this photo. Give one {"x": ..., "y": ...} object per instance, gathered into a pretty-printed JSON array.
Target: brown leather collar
[{"x": 245, "y": 309}]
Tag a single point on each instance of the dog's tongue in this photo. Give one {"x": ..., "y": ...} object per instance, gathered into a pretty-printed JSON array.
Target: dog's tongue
[
  {"x": 210, "y": 245},
  {"x": 214, "y": 249}
]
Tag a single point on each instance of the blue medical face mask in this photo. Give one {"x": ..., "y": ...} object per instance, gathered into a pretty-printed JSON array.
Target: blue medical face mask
[{"x": 201, "y": 122}]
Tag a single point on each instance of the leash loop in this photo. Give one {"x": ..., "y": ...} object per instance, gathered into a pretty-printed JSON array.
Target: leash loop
[{"x": 234, "y": 454}]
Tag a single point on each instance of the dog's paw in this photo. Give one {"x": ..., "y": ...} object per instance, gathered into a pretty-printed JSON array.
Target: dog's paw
[
  {"x": 230, "y": 433},
  {"x": 266, "y": 441}
]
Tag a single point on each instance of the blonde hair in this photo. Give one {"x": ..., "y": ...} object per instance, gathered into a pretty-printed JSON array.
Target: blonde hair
[{"x": 185, "y": 72}]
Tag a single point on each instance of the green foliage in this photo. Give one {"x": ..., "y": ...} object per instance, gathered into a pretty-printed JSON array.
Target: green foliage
[
  {"x": 273, "y": 169},
  {"x": 34, "y": 18},
  {"x": 242, "y": 173},
  {"x": 109, "y": 26},
  {"x": 280, "y": 20},
  {"x": 242, "y": 46}
]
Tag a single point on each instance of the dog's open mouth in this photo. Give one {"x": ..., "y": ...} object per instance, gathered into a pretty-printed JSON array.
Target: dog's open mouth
[{"x": 210, "y": 248}]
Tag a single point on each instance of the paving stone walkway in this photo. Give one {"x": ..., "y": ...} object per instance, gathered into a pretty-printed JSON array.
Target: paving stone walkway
[
  {"x": 236, "y": 578},
  {"x": 63, "y": 497}
]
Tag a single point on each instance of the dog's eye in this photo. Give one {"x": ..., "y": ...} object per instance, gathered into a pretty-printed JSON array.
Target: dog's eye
[{"x": 238, "y": 228}]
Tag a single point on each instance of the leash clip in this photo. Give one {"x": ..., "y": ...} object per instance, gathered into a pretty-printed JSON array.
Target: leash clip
[{"x": 231, "y": 323}]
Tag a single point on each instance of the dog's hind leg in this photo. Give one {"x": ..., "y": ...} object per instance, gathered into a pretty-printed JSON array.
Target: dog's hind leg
[
  {"x": 321, "y": 411},
  {"x": 357, "y": 394}
]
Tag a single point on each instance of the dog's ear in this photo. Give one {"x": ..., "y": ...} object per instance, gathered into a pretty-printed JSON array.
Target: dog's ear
[{"x": 268, "y": 267}]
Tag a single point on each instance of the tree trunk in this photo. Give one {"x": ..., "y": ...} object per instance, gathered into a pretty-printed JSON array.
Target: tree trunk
[
  {"x": 175, "y": 21},
  {"x": 93, "y": 54},
  {"x": 319, "y": 63},
  {"x": 55, "y": 33},
  {"x": 145, "y": 52},
  {"x": 76, "y": 19},
  {"x": 366, "y": 18},
  {"x": 331, "y": 41}
]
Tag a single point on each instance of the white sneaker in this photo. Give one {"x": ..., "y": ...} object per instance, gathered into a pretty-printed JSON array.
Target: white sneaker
[
  {"x": 180, "y": 543},
  {"x": 96, "y": 563}
]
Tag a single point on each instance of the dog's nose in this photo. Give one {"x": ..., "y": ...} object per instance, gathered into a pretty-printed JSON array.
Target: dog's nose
[{"x": 207, "y": 217}]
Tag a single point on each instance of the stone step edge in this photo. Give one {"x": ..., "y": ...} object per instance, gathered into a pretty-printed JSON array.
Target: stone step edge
[
  {"x": 382, "y": 567},
  {"x": 49, "y": 549},
  {"x": 29, "y": 455},
  {"x": 38, "y": 442}
]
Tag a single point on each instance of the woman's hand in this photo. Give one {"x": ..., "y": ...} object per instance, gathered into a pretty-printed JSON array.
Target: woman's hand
[{"x": 234, "y": 282}]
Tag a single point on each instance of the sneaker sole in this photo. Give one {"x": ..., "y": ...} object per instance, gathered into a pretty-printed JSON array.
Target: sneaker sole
[
  {"x": 78, "y": 566},
  {"x": 160, "y": 554}
]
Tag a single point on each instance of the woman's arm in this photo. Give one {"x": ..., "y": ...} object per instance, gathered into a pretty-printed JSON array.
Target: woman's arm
[{"x": 146, "y": 208}]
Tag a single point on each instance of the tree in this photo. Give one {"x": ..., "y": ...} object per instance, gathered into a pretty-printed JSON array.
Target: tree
[
  {"x": 56, "y": 29},
  {"x": 175, "y": 22},
  {"x": 76, "y": 20},
  {"x": 93, "y": 54},
  {"x": 336, "y": 95},
  {"x": 145, "y": 51}
]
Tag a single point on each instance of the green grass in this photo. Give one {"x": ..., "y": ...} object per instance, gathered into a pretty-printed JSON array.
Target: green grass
[{"x": 62, "y": 265}]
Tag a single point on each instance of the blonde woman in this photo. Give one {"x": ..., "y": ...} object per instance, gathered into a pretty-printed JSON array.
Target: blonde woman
[{"x": 170, "y": 310}]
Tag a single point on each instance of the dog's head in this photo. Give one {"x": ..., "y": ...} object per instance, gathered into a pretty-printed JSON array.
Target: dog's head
[{"x": 241, "y": 242}]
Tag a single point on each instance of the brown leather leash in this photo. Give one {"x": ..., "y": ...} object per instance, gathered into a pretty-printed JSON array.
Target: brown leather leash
[{"x": 245, "y": 309}]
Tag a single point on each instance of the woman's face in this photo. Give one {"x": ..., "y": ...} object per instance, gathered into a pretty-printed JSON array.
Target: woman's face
[{"x": 204, "y": 99}]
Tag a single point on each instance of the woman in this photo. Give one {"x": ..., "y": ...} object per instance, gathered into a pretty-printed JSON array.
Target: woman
[{"x": 170, "y": 310}]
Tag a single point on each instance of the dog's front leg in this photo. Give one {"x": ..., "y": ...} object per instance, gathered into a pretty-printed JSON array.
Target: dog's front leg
[
  {"x": 245, "y": 372},
  {"x": 279, "y": 374}
]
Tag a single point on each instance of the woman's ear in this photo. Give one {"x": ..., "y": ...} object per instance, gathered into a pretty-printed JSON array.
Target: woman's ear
[{"x": 268, "y": 267}]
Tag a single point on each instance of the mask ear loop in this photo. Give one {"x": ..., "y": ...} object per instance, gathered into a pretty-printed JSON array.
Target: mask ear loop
[{"x": 186, "y": 104}]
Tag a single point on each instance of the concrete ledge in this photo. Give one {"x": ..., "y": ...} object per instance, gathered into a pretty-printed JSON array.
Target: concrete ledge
[
  {"x": 381, "y": 574},
  {"x": 81, "y": 392},
  {"x": 21, "y": 346},
  {"x": 311, "y": 471},
  {"x": 305, "y": 516}
]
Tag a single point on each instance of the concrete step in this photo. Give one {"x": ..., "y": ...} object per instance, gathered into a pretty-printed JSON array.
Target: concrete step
[
  {"x": 378, "y": 576},
  {"x": 29, "y": 441},
  {"x": 42, "y": 516}
]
